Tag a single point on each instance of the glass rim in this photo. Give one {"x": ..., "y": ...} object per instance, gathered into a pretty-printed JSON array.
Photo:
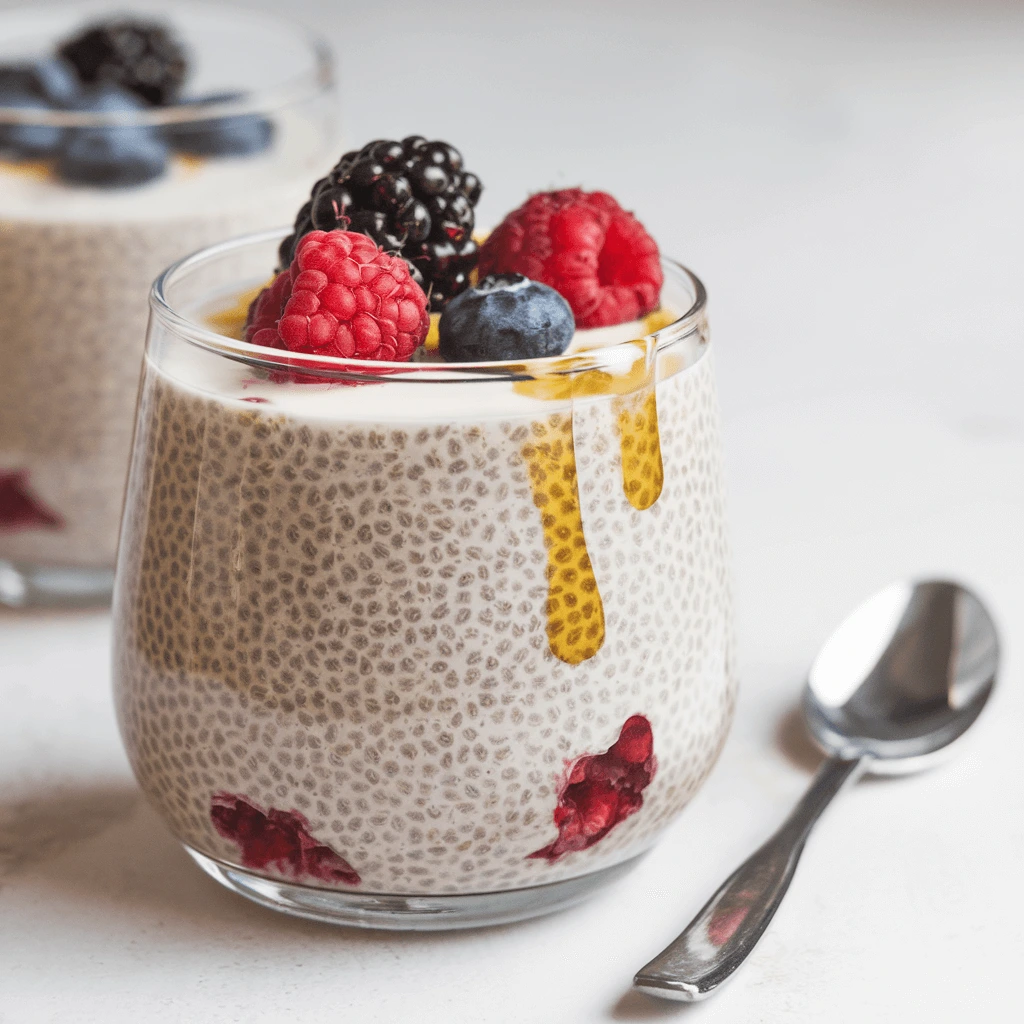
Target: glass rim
[
  {"x": 379, "y": 371},
  {"x": 318, "y": 80}
]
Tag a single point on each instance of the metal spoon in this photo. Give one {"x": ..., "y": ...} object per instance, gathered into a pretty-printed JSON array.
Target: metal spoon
[{"x": 902, "y": 678}]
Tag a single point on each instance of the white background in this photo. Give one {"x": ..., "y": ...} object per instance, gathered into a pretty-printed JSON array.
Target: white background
[{"x": 848, "y": 180}]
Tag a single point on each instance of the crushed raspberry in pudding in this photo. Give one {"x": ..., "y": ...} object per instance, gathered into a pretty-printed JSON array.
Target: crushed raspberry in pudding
[
  {"x": 279, "y": 840},
  {"x": 19, "y": 509},
  {"x": 601, "y": 790}
]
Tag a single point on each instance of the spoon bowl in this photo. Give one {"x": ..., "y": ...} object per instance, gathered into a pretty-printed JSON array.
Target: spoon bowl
[{"x": 904, "y": 676}]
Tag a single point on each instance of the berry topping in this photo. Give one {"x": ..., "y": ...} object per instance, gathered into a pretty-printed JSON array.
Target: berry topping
[
  {"x": 47, "y": 79},
  {"x": 505, "y": 317},
  {"x": 140, "y": 56},
  {"x": 233, "y": 135},
  {"x": 413, "y": 197},
  {"x": 27, "y": 141},
  {"x": 342, "y": 296},
  {"x": 585, "y": 246},
  {"x": 114, "y": 155},
  {"x": 266, "y": 310}
]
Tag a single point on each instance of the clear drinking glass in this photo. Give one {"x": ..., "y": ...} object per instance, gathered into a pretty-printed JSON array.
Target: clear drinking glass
[
  {"x": 415, "y": 645},
  {"x": 77, "y": 262}
]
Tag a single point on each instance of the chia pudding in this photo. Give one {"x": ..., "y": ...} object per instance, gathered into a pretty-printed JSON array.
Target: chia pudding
[
  {"x": 80, "y": 245},
  {"x": 447, "y": 630}
]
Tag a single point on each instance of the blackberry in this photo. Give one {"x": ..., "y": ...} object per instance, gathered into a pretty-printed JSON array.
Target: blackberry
[
  {"x": 413, "y": 197},
  {"x": 143, "y": 57}
]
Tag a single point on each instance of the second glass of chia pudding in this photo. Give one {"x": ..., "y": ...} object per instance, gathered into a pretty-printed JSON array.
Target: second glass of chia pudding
[
  {"x": 423, "y": 615},
  {"x": 126, "y": 141}
]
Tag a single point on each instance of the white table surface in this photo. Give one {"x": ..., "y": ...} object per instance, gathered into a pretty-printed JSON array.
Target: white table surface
[{"x": 847, "y": 178}]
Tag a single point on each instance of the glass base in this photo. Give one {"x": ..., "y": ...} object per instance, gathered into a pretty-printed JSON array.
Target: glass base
[
  {"x": 31, "y": 586},
  {"x": 408, "y": 913}
]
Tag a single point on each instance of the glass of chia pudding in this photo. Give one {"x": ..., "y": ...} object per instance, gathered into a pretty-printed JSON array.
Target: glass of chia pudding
[
  {"x": 127, "y": 140},
  {"x": 422, "y": 615}
]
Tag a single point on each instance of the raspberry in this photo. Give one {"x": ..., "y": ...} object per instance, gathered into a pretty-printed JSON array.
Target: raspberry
[
  {"x": 266, "y": 310},
  {"x": 342, "y": 296},
  {"x": 584, "y": 245}
]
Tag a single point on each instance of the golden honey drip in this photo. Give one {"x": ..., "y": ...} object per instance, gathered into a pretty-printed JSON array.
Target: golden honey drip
[
  {"x": 575, "y": 612},
  {"x": 643, "y": 474},
  {"x": 659, "y": 319},
  {"x": 230, "y": 321},
  {"x": 584, "y": 384}
]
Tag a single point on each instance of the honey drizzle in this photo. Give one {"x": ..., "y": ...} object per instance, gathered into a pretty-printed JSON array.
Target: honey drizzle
[
  {"x": 574, "y": 609},
  {"x": 230, "y": 322},
  {"x": 643, "y": 474}
]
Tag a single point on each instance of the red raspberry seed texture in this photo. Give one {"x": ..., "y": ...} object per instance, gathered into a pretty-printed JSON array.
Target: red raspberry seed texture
[
  {"x": 585, "y": 246},
  {"x": 342, "y": 296}
]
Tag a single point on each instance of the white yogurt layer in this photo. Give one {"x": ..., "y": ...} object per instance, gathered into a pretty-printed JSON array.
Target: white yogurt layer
[{"x": 405, "y": 397}]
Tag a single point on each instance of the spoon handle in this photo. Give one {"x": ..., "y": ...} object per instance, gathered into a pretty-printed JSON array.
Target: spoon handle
[{"x": 722, "y": 935}]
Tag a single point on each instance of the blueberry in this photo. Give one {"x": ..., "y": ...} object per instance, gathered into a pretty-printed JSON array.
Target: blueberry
[
  {"x": 111, "y": 155},
  {"x": 105, "y": 99},
  {"x": 233, "y": 135},
  {"x": 505, "y": 317},
  {"x": 49, "y": 79},
  {"x": 57, "y": 80},
  {"x": 27, "y": 141}
]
